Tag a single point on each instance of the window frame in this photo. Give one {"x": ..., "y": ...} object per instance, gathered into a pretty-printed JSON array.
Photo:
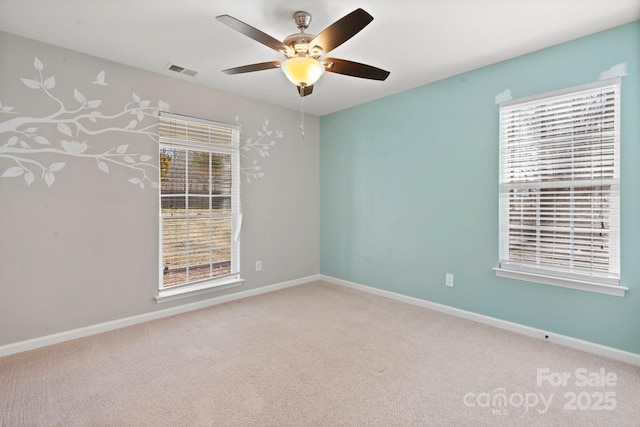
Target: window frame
[
  {"x": 233, "y": 279},
  {"x": 547, "y": 274}
]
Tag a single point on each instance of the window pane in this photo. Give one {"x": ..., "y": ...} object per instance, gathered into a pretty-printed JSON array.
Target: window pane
[
  {"x": 174, "y": 233},
  {"x": 172, "y": 170},
  {"x": 173, "y": 205},
  {"x": 222, "y": 232},
  {"x": 199, "y": 205},
  {"x": 221, "y": 174},
  {"x": 198, "y": 172},
  {"x": 199, "y": 236},
  {"x": 221, "y": 205},
  {"x": 174, "y": 269}
]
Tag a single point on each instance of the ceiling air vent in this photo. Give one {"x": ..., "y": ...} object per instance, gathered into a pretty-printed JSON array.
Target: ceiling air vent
[{"x": 181, "y": 70}]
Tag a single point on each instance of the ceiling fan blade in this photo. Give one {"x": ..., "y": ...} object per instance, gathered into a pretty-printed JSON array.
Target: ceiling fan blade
[
  {"x": 304, "y": 91},
  {"x": 341, "y": 30},
  {"x": 253, "y": 67},
  {"x": 255, "y": 34},
  {"x": 355, "y": 69}
]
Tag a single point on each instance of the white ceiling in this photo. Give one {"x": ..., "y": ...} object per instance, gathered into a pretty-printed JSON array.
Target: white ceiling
[{"x": 419, "y": 41}]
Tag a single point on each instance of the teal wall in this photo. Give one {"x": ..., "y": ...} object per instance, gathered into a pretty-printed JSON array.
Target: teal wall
[{"x": 409, "y": 192}]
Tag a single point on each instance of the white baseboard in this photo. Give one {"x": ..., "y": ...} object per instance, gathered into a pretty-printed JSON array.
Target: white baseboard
[
  {"x": 586, "y": 346},
  {"x": 34, "y": 343},
  {"x": 566, "y": 341}
]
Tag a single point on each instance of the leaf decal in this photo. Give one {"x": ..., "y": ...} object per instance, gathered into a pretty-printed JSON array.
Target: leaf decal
[
  {"x": 31, "y": 130},
  {"x": 12, "y": 141},
  {"x": 50, "y": 83},
  {"x": 12, "y": 172},
  {"x": 63, "y": 128},
  {"x": 94, "y": 103},
  {"x": 136, "y": 97},
  {"x": 55, "y": 167},
  {"x": 122, "y": 148},
  {"x": 129, "y": 159},
  {"x": 49, "y": 178},
  {"x": 79, "y": 96},
  {"x": 6, "y": 109},
  {"x": 28, "y": 178},
  {"x": 135, "y": 180},
  {"x": 140, "y": 115},
  {"x": 41, "y": 140},
  {"x": 31, "y": 83},
  {"x": 144, "y": 104},
  {"x": 37, "y": 64},
  {"x": 145, "y": 158},
  {"x": 24, "y": 145},
  {"x": 103, "y": 167}
]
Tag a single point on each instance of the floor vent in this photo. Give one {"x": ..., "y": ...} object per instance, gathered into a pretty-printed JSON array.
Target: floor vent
[{"x": 181, "y": 70}]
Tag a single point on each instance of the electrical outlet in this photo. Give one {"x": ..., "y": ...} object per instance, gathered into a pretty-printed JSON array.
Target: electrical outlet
[
  {"x": 258, "y": 265},
  {"x": 449, "y": 280}
]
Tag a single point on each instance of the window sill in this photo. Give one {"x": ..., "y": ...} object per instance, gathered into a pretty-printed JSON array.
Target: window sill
[
  {"x": 618, "y": 291},
  {"x": 172, "y": 294}
]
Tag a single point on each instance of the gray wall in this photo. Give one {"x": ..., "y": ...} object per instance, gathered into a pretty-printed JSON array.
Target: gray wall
[{"x": 79, "y": 240}]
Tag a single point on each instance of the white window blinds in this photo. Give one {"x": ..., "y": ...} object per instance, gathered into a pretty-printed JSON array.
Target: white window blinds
[
  {"x": 560, "y": 184},
  {"x": 199, "y": 200}
]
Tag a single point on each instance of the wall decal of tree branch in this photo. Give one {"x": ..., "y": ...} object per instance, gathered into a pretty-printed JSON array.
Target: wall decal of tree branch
[
  {"x": 26, "y": 141},
  {"x": 66, "y": 130},
  {"x": 266, "y": 139}
]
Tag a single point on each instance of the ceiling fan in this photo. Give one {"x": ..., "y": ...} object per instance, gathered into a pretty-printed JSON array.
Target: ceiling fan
[{"x": 304, "y": 63}]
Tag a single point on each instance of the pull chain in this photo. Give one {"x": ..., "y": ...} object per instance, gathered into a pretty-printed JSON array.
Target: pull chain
[{"x": 302, "y": 111}]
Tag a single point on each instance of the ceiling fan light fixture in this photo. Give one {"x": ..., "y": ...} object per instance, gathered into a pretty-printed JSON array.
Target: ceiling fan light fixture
[{"x": 302, "y": 70}]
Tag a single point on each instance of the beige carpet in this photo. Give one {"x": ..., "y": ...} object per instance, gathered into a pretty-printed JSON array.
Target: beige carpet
[{"x": 312, "y": 355}]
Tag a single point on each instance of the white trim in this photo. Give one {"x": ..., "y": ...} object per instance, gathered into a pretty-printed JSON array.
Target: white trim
[
  {"x": 586, "y": 346},
  {"x": 34, "y": 343},
  {"x": 179, "y": 292},
  {"x": 564, "y": 282},
  {"x": 557, "y": 93}
]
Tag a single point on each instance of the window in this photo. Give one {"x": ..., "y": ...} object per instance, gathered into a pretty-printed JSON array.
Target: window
[
  {"x": 560, "y": 188},
  {"x": 199, "y": 204}
]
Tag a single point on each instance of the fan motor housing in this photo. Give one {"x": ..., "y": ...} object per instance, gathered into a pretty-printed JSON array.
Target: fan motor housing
[{"x": 299, "y": 42}]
